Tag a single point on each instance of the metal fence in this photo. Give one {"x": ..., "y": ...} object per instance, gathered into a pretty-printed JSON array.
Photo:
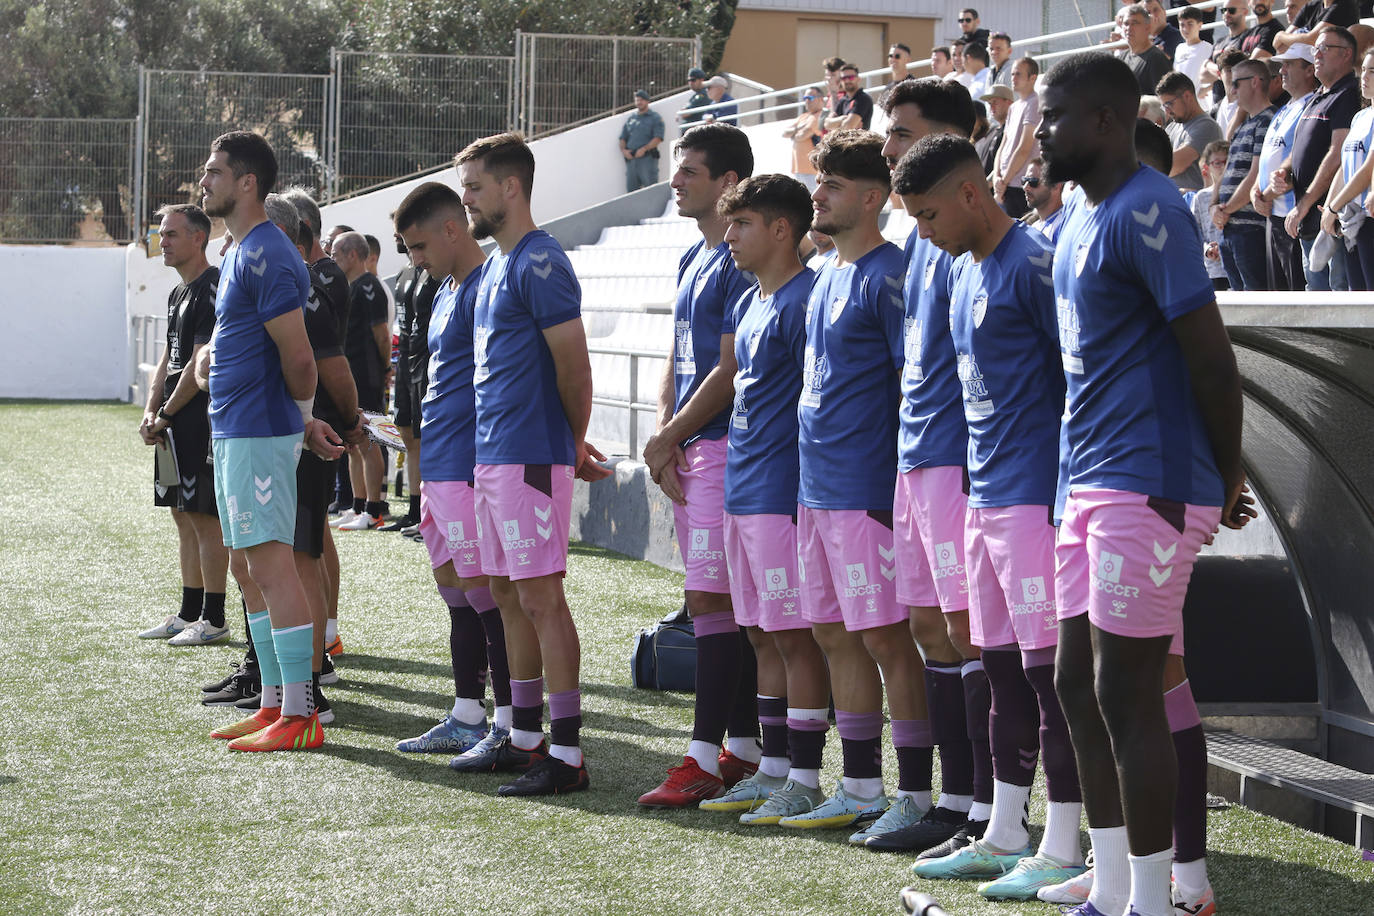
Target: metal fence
[
  {"x": 184, "y": 110},
  {"x": 566, "y": 80},
  {"x": 395, "y": 114},
  {"x": 67, "y": 179}
]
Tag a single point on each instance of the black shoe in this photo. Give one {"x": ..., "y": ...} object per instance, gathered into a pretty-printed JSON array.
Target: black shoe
[
  {"x": 938, "y": 825},
  {"x": 549, "y": 776},
  {"x": 250, "y": 703},
  {"x": 968, "y": 832},
  {"x": 503, "y": 758},
  {"x": 327, "y": 673},
  {"x": 242, "y": 687},
  {"x": 322, "y": 707},
  {"x": 219, "y": 685},
  {"x": 403, "y": 522}
]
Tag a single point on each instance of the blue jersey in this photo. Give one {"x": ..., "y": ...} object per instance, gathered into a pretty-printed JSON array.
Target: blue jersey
[
  {"x": 520, "y": 416},
  {"x": 262, "y": 277},
  {"x": 708, "y": 288},
  {"x": 448, "y": 424},
  {"x": 851, "y": 383},
  {"x": 1001, "y": 316},
  {"x": 1132, "y": 422},
  {"x": 932, "y": 433},
  {"x": 761, "y": 463}
]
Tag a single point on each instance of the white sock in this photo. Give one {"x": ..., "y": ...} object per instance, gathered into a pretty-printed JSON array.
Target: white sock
[
  {"x": 271, "y": 696},
  {"x": 813, "y": 715},
  {"x": 1192, "y": 876},
  {"x": 775, "y": 767},
  {"x": 469, "y": 711},
  {"x": 1060, "y": 841},
  {"x": 1150, "y": 893},
  {"x": 809, "y": 778},
  {"x": 1007, "y": 826},
  {"x": 980, "y": 811},
  {"x": 331, "y": 630},
  {"x": 922, "y": 798},
  {"x": 570, "y": 755},
  {"x": 504, "y": 716},
  {"x": 706, "y": 755},
  {"x": 297, "y": 698},
  {"x": 961, "y": 803},
  {"x": 1111, "y": 870},
  {"x": 526, "y": 741},
  {"x": 747, "y": 749},
  {"x": 868, "y": 787}
]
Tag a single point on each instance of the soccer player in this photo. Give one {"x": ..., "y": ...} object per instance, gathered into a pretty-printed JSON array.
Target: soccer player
[
  {"x": 176, "y": 404},
  {"x": 1002, "y": 321},
  {"x": 533, "y": 384},
  {"x": 262, "y": 389},
  {"x": 930, "y": 505},
  {"x": 414, "y": 302},
  {"x": 847, "y": 446},
  {"x": 434, "y": 229},
  {"x": 767, "y": 217},
  {"x": 686, "y": 458},
  {"x": 1152, "y": 465}
]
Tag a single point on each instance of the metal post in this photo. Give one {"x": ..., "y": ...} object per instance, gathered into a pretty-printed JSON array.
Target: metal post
[
  {"x": 634, "y": 398},
  {"x": 332, "y": 120},
  {"x": 614, "y": 100},
  {"x": 516, "y": 75},
  {"x": 696, "y": 51},
  {"x": 532, "y": 65},
  {"x": 140, "y": 165}
]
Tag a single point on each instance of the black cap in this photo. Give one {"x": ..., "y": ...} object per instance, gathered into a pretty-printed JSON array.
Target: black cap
[
  {"x": 641, "y": 94},
  {"x": 696, "y": 73}
]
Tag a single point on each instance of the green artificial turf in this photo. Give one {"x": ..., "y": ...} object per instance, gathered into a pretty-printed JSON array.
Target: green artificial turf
[{"x": 114, "y": 799}]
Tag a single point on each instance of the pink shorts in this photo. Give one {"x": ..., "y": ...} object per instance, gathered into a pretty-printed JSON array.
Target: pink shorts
[
  {"x": 762, "y": 553},
  {"x": 1010, "y": 556},
  {"x": 847, "y": 566},
  {"x": 701, "y": 523},
  {"x": 522, "y": 518},
  {"x": 450, "y": 527},
  {"x": 1126, "y": 560},
  {"x": 928, "y": 513}
]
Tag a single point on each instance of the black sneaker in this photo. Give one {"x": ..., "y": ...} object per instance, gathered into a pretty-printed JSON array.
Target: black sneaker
[
  {"x": 503, "y": 757},
  {"x": 243, "y": 686},
  {"x": 968, "y": 832},
  {"x": 223, "y": 682},
  {"x": 398, "y": 524},
  {"x": 938, "y": 825},
  {"x": 327, "y": 673},
  {"x": 549, "y": 776},
  {"x": 322, "y": 707},
  {"x": 251, "y": 702}
]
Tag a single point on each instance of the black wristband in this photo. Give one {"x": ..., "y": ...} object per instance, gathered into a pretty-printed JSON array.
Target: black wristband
[{"x": 163, "y": 414}]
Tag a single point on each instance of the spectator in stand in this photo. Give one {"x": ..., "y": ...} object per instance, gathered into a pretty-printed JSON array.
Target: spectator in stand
[
  {"x": 1163, "y": 35},
  {"x": 1200, "y": 203},
  {"x": 833, "y": 90},
  {"x": 941, "y": 62},
  {"x": 1258, "y": 40},
  {"x": 1152, "y": 109},
  {"x": 1244, "y": 250},
  {"x": 1018, "y": 145},
  {"x": 960, "y": 74},
  {"x": 1046, "y": 199},
  {"x": 1234, "y": 15},
  {"x": 696, "y": 81},
  {"x": 805, "y": 133},
  {"x": 1147, "y": 62},
  {"x": 639, "y": 140},
  {"x": 1316, "y": 155},
  {"x": 855, "y": 110},
  {"x": 971, "y": 27},
  {"x": 1190, "y": 129},
  {"x": 999, "y": 99},
  {"x": 898, "y": 58},
  {"x": 1228, "y": 115},
  {"x": 987, "y": 133},
  {"x": 1346, "y": 216},
  {"x": 999, "y": 50},
  {"x": 1278, "y": 95},
  {"x": 976, "y": 66},
  {"x": 1300, "y": 80},
  {"x": 1192, "y": 55},
  {"x": 1316, "y": 17},
  {"x": 715, "y": 88}
]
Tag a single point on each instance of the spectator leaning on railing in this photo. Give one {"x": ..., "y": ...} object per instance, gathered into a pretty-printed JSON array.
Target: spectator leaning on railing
[
  {"x": 855, "y": 110},
  {"x": 805, "y": 133},
  {"x": 716, "y": 88},
  {"x": 696, "y": 81}
]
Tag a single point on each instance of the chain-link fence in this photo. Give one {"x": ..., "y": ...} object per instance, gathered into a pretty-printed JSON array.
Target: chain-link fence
[
  {"x": 66, "y": 179},
  {"x": 1066, "y": 15},
  {"x": 184, "y": 110},
  {"x": 570, "y": 79},
  {"x": 401, "y": 113}
]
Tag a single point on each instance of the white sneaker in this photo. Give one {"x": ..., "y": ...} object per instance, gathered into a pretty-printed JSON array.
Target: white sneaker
[
  {"x": 1073, "y": 891},
  {"x": 199, "y": 633},
  {"x": 165, "y": 630},
  {"x": 362, "y": 522},
  {"x": 343, "y": 517},
  {"x": 410, "y": 531}
]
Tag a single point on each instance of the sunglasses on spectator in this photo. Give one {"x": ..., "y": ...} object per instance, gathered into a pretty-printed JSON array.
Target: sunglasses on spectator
[
  {"x": 965, "y": 19},
  {"x": 1033, "y": 182},
  {"x": 807, "y": 98},
  {"x": 1230, "y": 9},
  {"x": 894, "y": 56}
]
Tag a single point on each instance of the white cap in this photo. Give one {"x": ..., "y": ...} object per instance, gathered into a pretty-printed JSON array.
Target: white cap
[{"x": 1297, "y": 51}]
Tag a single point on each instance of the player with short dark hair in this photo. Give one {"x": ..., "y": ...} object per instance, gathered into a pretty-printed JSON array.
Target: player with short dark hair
[
  {"x": 176, "y": 404},
  {"x": 415, "y": 291}
]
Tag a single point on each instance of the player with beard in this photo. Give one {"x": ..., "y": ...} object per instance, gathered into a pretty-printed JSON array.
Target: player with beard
[
  {"x": 533, "y": 383},
  {"x": 185, "y": 231},
  {"x": 1152, "y": 433}
]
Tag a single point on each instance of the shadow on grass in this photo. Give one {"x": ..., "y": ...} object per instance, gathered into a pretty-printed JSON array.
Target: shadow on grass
[
  {"x": 639, "y": 696},
  {"x": 7, "y": 780},
  {"x": 385, "y": 691},
  {"x": 389, "y": 665},
  {"x": 1260, "y": 884}
]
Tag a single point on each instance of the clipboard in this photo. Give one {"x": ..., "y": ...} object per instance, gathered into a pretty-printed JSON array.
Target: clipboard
[
  {"x": 165, "y": 460},
  {"x": 383, "y": 429}
]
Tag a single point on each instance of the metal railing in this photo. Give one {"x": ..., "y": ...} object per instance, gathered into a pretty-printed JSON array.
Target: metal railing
[
  {"x": 67, "y": 179},
  {"x": 632, "y": 404},
  {"x": 147, "y": 339}
]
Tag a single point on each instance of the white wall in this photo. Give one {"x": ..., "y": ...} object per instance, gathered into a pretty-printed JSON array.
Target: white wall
[{"x": 63, "y": 321}]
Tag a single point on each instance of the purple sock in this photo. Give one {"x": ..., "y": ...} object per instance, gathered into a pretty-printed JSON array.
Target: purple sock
[
  {"x": 1056, "y": 750},
  {"x": 495, "y": 630},
  {"x": 773, "y": 723},
  {"x": 1190, "y": 803},
  {"x": 948, "y": 726},
  {"x": 806, "y": 742},
  {"x": 1014, "y": 721},
  {"x": 978, "y": 709},
  {"x": 719, "y": 645},
  {"x": 467, "y": 645},
  {"x": 565, "y": 717},
  {"x": 860, "y": 742},
  {"x": 527, "y": 699},
  {"x": 744, "y": 712},
  {"x": 915, "y": 754}
]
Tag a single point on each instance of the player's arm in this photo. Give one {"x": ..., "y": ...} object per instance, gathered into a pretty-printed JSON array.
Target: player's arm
[
  {"x": 567, "y": 344},
  {"x": 716, "y": 393},
  {"x": 337, "y": 381},
  {"x": 201, "y": 368},
  {"x": 287, "y": 331},
  {"x": 154, "y": 400}
]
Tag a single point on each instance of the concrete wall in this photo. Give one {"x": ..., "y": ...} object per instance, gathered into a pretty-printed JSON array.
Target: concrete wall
[
  {"x": 628, "y": 513},
  {"x": 62, "y": 319}
]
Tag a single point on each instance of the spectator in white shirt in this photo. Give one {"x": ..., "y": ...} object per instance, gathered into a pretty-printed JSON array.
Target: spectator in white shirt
[{"x": 1194, "y": 52}]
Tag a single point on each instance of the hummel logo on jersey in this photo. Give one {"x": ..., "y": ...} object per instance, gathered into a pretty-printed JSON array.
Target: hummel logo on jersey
[
  {"x": 326, "y": 279},
  {"x": 1147, "y": 219},
  {"x": 540, "y": 256},
  {"x": 541, "y": 523},
  {"x": 1157, "y": 240},
  {"x": 541, "y": 272},
  {"x": 1043, "y": 260},
  {"x": 837, "y": 306},
  {"x": 370, "y": 294},
  {"x": 980, "y": 310},
  {"x": 264, "y": 494},
  {"x": 1163, "y": 555},
  {"x": 312, "y": 302},
  {"x": 188, "y": 487},
  {"x": 894, "y": 282}
]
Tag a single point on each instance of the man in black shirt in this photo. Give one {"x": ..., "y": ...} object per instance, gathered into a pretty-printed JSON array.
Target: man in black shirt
[
  {"x": 415, "y": 291},
  {"x": 972, "y": 31},
  {"x": 1147, "y": 62},
  {"x": 855, "y": 110},
  {"x": 1316, "y": 17},
  {"x": 177, "y": 412},
  {"x": 1258, "y": 40}
]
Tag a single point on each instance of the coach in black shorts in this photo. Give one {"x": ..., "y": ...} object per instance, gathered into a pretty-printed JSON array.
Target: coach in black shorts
[
  {"x": 415, "y": 291},
  {"x": 177, "y": 409}
]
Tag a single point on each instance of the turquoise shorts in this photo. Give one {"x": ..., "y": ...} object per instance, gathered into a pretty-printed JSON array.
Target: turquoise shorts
[{"x": 255, "y": 487}]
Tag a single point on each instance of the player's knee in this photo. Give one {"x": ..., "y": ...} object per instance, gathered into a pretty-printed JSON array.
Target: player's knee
[
  {"x": 707, "y": 603},
  {"x": 928, "y": 630},
  {"x": 891, "y": 646}
]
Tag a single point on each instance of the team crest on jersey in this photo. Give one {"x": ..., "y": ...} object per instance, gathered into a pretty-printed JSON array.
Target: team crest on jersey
[
  {"x": 980, "y": 309},
  {"x": 1080, "y": 258},
  {"x": 930, "y": 270},
  {"x": 701, "y": 282},
  {"x": 836, "y": 306}
]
